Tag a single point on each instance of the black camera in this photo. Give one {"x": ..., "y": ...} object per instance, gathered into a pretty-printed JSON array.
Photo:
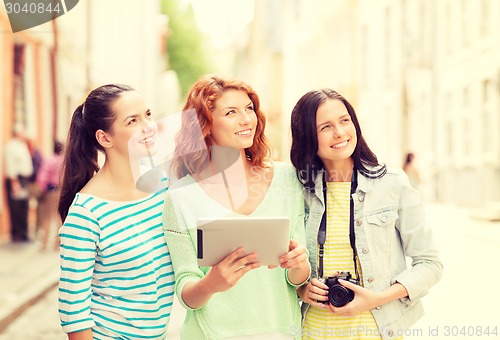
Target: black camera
[{"x": 339, "y": 295}]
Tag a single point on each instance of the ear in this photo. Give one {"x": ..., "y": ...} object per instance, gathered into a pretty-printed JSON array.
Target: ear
[{"x": 103, "y": 139}]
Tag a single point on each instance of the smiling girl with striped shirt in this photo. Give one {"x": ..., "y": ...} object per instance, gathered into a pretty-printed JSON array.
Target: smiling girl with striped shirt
[{"x": 116, "y": 275}]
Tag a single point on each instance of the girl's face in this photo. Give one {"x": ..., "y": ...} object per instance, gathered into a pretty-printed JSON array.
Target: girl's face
[
  {"x": 336, "y": 132},
  {"x": 234, "y": 120},
  {"x": 134, "y": 131}
]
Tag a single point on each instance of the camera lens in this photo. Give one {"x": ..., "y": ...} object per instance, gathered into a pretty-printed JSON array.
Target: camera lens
[{"x": 339, "y": 295}]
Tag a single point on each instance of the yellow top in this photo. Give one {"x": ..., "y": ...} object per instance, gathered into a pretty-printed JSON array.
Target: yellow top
[{"x": 321, "y": 323}]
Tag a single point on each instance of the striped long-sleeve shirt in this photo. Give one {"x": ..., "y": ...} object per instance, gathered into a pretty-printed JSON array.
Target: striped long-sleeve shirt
[{"x": 116, "y": 273}]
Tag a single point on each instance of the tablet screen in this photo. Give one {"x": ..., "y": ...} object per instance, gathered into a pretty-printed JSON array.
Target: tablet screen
[{"x": 268, "y": 237}]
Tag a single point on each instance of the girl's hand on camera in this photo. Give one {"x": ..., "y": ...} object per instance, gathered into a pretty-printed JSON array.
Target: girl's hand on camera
[
  {"x": 315, "y": 293},
  {"x": 364, "y": 300},
  {"x": 227, "y": 272}
]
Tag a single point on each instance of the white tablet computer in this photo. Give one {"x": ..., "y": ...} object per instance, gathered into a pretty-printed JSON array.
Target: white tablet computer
[{"x": 267, "y": 237}]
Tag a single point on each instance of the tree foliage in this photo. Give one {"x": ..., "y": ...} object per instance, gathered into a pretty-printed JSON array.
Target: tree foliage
[{"x": 186, "y": 51}]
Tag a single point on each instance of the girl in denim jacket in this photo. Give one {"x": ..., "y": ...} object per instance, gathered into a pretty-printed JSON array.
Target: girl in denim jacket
[{"x": 372, "y": 221}]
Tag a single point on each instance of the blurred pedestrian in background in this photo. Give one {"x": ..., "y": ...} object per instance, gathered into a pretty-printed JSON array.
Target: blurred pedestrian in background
[
  {"x": 412, "y": 171},
  {"x": 35, "y": 194},
  {"x": 361, "y": 217},
  {"x": 18, "y": 170},
  {"x": 116, "y": 278},
  {"x": 48, "y": 184}
]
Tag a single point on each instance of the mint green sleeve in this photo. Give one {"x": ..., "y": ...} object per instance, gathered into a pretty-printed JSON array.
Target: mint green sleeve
[
  {"x": 181, "y": 242},
  {"x": 297, "y": 228}
]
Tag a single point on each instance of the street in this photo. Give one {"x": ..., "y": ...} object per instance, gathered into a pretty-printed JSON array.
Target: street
[
  {"x": 39, "y": 322},
  {"x": 462, "y": 305}
]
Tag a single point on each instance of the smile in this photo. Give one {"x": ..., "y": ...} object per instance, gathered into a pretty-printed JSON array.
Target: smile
[
  {"x": 244, "y": 132},
  {"x": 340, "y": 145},
  {"x": 147, "y": 140}
]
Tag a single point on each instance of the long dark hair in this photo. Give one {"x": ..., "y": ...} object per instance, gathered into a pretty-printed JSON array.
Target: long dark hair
[
  {"x": 80, "y": 158},
  {"x": 304, "y": 150}
]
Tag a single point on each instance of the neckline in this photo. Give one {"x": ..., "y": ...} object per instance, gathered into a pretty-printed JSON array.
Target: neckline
[
  {"x": 234, "y": 213},
  {"x": 138, "y": 200}
]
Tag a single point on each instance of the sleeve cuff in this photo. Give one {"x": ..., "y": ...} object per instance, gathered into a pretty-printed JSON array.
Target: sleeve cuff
[
  {"x": 179, "y": 289},
  {"x": 299, "y": 284},
  {"x": 413, "y": 292},
  {"x": 77, "y": 325}
]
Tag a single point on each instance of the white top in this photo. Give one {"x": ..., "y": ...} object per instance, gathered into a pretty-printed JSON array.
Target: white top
[{"x": 17, "y": 159}]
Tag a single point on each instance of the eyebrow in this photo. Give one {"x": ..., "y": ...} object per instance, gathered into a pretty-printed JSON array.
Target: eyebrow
[
  {"x": 324, "y": 123},
  {"x": 328, "y": 121},
  {"x": 135, "y": 115},
  {"x": 234, "y": 107}
]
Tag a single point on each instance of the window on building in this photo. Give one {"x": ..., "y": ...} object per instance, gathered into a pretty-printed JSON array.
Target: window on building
[
  {"x": 484, "y": 8},
  {"x": 448, "y": 107},
  {"x": 19, "y": 95},
  {"x": 487, "y": 112},
  {"x": 297, "y": 9},
  {"x": 421, "y": 24},
  {"x": 448, "y": 17},
  {"x": 388, "y": 42},
  {"x": 467, "y": 123},
  {"x": 449, "y": 134},
  {"x": 364, "y": 56},
  {"x": 465, "y": 27}
]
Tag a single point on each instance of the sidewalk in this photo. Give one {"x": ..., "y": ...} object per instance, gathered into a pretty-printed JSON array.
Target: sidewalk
[
  {"x": 25, "y": 275},
  {"x": 466, "y": 245}
]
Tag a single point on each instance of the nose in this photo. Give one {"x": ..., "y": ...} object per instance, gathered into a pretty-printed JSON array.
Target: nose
[
  {"x": 148, "y": 126},
  {"x": 338, "y": 132},
  {"x": 245, "y": 118}
]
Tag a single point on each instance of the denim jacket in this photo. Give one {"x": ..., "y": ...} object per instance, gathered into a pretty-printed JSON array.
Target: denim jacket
[{"x": 390, "y": 225}]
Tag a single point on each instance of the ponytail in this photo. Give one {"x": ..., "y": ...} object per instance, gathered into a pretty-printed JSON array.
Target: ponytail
[
  {"x": 79, "y": 164},
  {"x": 80, "y": 159}
]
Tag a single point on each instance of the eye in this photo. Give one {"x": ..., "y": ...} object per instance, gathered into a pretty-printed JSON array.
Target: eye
[
  {"x": 325, "y": 127},
  {"x": 230, "y": 112},
  {"x": 149, "y": 113},
  {"x": 133, "y": 120},
  {"x": 250, "y": 108}
]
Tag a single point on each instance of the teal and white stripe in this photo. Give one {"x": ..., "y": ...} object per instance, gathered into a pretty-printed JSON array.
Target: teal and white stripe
[{"x": 116, "y": 273}]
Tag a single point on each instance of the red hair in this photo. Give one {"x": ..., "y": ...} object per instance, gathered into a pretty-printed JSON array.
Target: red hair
[{"x": 190, "y": 156}]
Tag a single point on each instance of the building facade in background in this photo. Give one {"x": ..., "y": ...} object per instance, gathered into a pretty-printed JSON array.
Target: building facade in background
[
  {"x": 429, "y": 84},
  {"x": 47, "y": 71},
  {"x": 28, "y": 87},
  {"x": 423, "y": 76},
  {"x": 467, "y": 103}
]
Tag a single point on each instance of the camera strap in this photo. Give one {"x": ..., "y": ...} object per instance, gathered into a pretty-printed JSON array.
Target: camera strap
[{"x": 322, "y": 226}]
